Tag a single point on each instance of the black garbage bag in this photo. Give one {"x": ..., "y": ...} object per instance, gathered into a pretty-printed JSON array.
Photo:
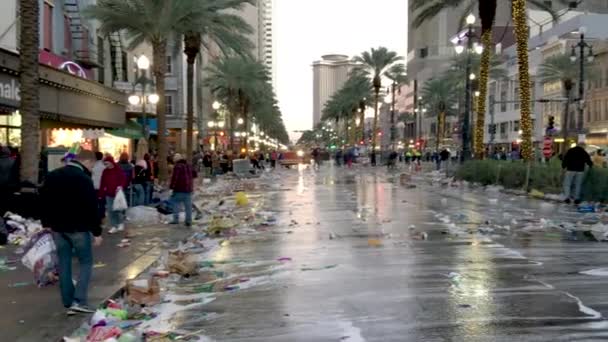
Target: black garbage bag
[
  {"x": 165, "y": 208},
  {"x": 3, "y": 232}
]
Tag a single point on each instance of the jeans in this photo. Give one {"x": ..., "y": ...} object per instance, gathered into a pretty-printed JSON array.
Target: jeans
[
  {"x": 184, "y": 198},
  {"x": 576, "y": 178},
  {"x": 116, "y": 217},
  {"x": 139, "y": 195},
  {"x": 68, "y": 245}
]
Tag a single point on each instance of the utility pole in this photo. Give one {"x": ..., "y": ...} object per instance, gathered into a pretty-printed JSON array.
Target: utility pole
[{"x": 581, "y": 45}]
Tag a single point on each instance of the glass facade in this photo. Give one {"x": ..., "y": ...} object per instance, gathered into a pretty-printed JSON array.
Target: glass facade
[{"x": 10, "y": 129}]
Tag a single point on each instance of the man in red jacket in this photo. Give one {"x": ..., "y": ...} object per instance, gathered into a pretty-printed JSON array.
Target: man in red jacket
[
  {"x": 181, "y": 184},
  {"x": 112, "y": 179}
]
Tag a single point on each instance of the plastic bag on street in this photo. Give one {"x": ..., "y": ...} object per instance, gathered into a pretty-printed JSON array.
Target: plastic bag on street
[
  {"x": 120, "y": 201},
  {"x": 143, "y": 215},
  {"x": 41, "y": 258}
]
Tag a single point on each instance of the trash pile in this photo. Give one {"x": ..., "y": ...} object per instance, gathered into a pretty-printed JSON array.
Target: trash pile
[{"x": 187, "y": 277}]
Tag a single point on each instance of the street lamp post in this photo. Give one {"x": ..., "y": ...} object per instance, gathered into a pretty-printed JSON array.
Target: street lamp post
[
  {"x": 143, "y": 64},
  {"x": 470, "y": 48},
  {"x": 581, "y": 45}
]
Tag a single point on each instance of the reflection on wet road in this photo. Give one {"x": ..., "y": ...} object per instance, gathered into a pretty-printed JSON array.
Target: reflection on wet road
[{"x": 374, "y": 261}]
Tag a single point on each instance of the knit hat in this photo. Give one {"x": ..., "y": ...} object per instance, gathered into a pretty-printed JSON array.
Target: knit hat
[
  {"x": 142, "y": 163},
  {"x": 109, "y": 159},
  {"x": 177, "y": 157}
]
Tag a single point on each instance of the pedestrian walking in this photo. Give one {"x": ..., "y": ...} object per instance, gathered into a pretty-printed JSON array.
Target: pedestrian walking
[
  {"x": 140, "y": 182},
  {"x": 599, "y": 159},
  {"x": 273, "y": 159},
  {"x": 444, "y": 158},
  {"x": 574, "y": 164},
  {"x": 316, "y": 156},
  {"x": 75, "y": 230},
  {"x": 182, "y": 186},
  {"x": 8, "y": 179},
  {"x": 112, "y": 180}
]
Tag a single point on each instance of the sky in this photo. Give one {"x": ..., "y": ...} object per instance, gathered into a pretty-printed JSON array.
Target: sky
[{"x": 306, "y": 30}]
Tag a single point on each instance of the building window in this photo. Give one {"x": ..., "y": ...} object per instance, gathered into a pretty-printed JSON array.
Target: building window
[
  {"x": 101, "y": 71},
  {"x": 169, "y": 65},
  {"x": 125, "y": 70},
  {"x": 516, "y": 96},
  {"x": 503, "y": 127},
  {"x": 47, "y": 26},
  {"x": 67, "y": 36},
  {"x": 606, "y": 78},
  {"x": 503, "y": 95},
  {"x": 605, "y": 109},
  {"x": 433, "y": 128},
  {"x": 169, "y": 104},
  {"x": 516, "y": 126}
]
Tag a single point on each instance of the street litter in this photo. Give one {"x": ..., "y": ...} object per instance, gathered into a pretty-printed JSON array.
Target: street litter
[
  {"x": 599, "y": 231},
  {"x": 142, "y": 215},
  {"x": 41, "y": 258},
  {"x": 318, "y": 268}
]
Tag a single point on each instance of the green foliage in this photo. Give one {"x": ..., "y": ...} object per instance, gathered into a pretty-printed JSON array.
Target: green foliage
[
  {"x": 546, "y": 177},
  {"x": 561, "y": 68},
  {"x": 439, "y": 96}
]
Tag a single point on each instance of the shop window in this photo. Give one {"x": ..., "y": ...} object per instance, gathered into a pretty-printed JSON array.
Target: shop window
[
  {"x": 10, "y": 131},
  {"x": 47, "y": 26}
]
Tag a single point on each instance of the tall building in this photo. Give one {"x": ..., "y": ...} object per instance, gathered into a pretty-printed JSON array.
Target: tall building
[
  {"x": 260, "y": 16},
  {"x": 329, "y": 75}
]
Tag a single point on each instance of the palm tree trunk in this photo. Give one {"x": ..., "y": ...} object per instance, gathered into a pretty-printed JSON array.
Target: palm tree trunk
[
  {"x": 28, "y": 65},
  {"x": 484, "y": 71},
  {"x": 246, "y": 124},
  {"x": 159, "y": 51},
  {"x": 374, "y": 131},
  {"x": 440, "y": 118},
  {"x": 521, "y": 34},
  {"x": 192, "y": 43},
  {"x": 566, "y": 118}
]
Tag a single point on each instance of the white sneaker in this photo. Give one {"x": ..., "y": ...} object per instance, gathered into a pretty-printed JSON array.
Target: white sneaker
[
  {"x": 113, "y": 230},
  {"x": 121, "y": 227}
]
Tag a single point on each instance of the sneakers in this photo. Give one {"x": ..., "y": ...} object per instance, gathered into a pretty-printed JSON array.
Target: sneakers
[
  {"x": 577, "y": 202},
  {"x": 567, "y": 201},
  {"x": 114, "y": 230},
  {"x": 78, "y": 308}
]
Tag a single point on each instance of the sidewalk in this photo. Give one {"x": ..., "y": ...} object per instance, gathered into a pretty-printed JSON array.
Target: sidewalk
[{"x": 36, "y": 314}]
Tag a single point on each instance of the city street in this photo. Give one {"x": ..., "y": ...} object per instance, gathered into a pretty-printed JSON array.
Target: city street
[{"x": 356, "y": 267}]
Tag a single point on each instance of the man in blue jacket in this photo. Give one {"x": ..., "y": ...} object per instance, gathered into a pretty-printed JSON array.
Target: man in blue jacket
[{"x": 69, "y": 209}]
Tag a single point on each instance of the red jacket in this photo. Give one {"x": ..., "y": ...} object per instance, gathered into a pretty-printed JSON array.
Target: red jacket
[
  {"x": 111, "y": 180},
  {"x": 181, "y": 180}
]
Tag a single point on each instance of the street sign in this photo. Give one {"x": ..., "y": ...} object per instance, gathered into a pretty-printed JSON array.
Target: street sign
[{"x": 548, "y": 147}]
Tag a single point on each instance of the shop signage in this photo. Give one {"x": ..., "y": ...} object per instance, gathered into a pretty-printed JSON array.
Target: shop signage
[{"x": 9, "y": 91}]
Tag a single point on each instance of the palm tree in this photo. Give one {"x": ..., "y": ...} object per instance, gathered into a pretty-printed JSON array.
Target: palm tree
[
  {"x": 154, "y": 22},
  {"x": 398, "y": 76},
  {"x": 238, "y": 81},
  {"x": 428, "y": 9},
  {"x": 376, "y": 62},
  {"x": 559, "y": 68},
  {"x": 440, "y": 98},
  {"x": 226, "y": 30},
  {"x": 28, "y": 65}
]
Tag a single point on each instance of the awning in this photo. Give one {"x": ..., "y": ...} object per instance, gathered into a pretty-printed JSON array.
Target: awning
[{"x": 131, "y": 130}]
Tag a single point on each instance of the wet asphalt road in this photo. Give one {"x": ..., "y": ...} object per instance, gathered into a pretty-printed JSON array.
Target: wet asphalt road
[{"x": 360, "y": 271}]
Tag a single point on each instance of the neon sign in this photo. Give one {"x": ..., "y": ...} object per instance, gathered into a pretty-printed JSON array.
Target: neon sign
[{"x": 73, "y": 69}]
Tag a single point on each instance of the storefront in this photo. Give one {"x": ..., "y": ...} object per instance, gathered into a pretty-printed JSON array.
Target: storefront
[{"x": 71, "y": 107}]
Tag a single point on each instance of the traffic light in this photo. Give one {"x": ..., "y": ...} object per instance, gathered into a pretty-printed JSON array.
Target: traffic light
[{"x": 551, "y": 124}]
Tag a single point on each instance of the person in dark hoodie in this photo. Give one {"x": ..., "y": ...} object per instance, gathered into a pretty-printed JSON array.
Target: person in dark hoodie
[
  {"x": 127, "y": 168},
  {"x": 8, "y": 181},
  {"x": 76, "y": 229},
  {"x": 182, "y": 186},
  {"x": 112, "y": 179},
  {"x": 574, "y": 164}
]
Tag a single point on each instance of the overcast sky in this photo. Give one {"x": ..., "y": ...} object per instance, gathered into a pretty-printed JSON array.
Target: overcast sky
[{"x": 305, "y": 30}]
